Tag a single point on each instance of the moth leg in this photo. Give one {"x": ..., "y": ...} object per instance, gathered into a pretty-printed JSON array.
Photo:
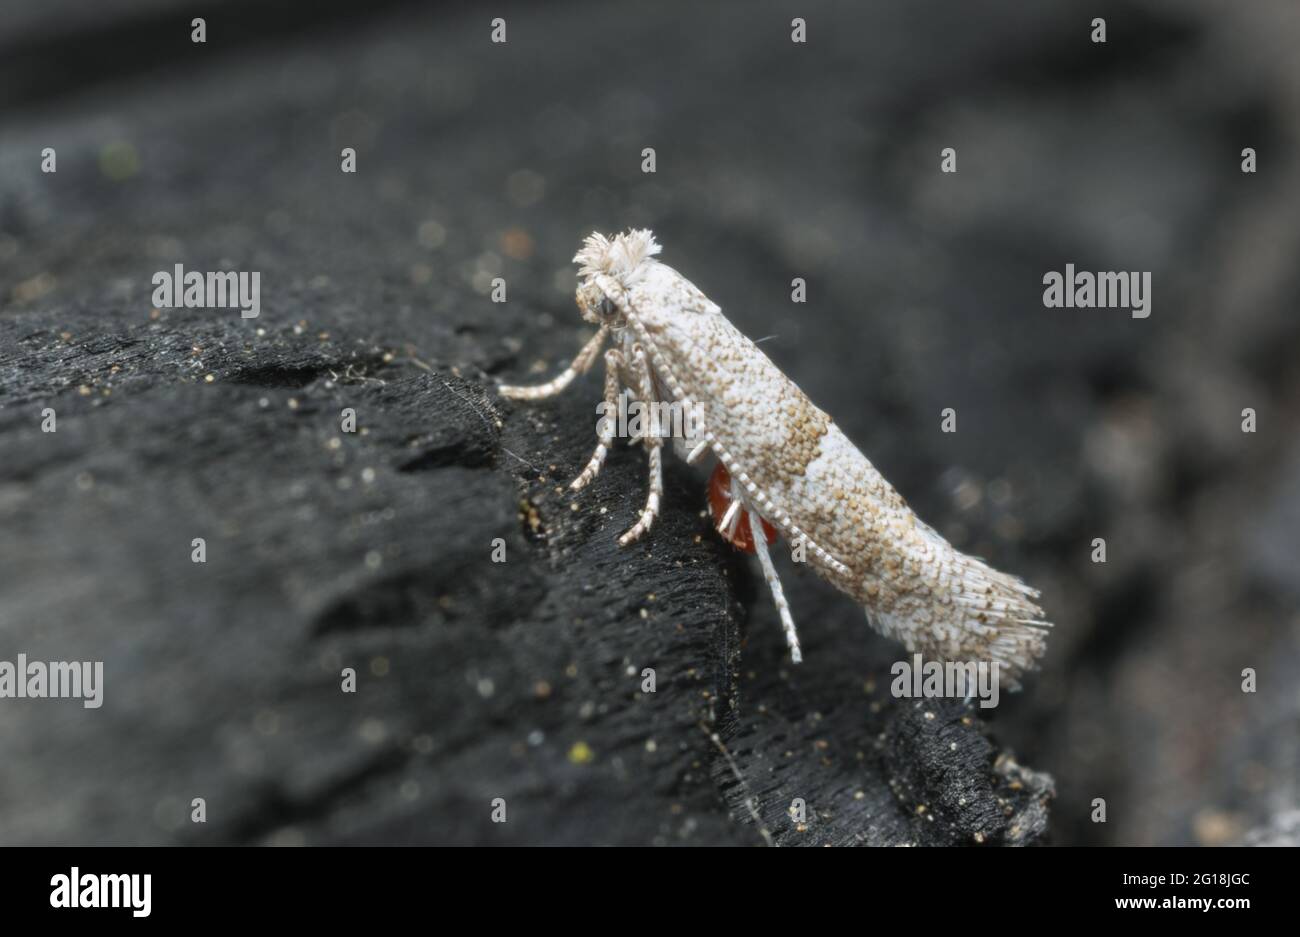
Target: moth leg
[
  {"x": 654, "y": 442},
  {"x": 727, "y": 526},
  {"x": 580, "y": 365},
  {"x": 697, "y": 451},
  {"x": 605, "y": 426},
  {"x": 774, "y": 583}
]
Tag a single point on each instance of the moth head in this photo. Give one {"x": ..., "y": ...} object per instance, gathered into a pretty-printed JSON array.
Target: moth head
[
  {"x": 611, "y": 265},
  {"x": 596, "y": 305}
]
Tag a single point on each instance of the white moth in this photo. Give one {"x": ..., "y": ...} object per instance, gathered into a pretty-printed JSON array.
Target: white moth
[{"x": 783, "y": 464}]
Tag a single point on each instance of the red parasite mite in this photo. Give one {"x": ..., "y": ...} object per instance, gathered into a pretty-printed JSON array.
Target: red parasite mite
[{"x": 737, "y": 533}]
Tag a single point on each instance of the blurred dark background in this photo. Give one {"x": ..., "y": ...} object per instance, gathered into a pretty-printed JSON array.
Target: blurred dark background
[{"x": 774, "y": 160}]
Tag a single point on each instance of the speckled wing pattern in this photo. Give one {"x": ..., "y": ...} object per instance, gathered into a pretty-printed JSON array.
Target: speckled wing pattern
[{"x": 798, "y": 471}]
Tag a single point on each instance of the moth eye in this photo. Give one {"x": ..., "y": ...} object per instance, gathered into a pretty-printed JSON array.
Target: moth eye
[{"x": 606, "y": 308}]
